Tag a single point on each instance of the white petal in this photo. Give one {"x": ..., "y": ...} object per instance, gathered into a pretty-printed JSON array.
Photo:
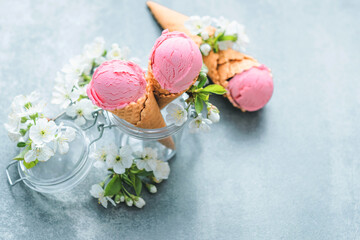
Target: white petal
[
  {"x": 71, "y": 111},
  {"x": 110, "y": 160},
  {"x": 96, "y": 190},
  {"x": 111, "y": 201},
  {"x": 30, "y": 156},
  {"x": 80, "y": 121},
  {"x": 103, "y": 201},
  {"x": 63, "y": 147},
  {"x": 125, "y": 151},
  {"x": 118, "y": 168}
]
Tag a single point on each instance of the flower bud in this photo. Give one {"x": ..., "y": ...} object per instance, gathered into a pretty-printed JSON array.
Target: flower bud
[
  {"x": 213, "y": 113},
  {"x": 204, "y": 35},
  {"x": 139, "y": 202},
  {"x": 129, "y": 201},
  {"x": 152, "y": 188},
  {"x": 205, "y": 49}
]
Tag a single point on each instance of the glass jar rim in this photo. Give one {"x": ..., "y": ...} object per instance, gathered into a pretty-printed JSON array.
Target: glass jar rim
[{"x": 142, "y": 133}]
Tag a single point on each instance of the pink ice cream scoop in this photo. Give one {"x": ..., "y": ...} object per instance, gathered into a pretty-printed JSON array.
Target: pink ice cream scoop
[
  {"x": 115, "y": 84},
  {"x": 175, "y": 61},
  {"x": 252, "y": 88}
]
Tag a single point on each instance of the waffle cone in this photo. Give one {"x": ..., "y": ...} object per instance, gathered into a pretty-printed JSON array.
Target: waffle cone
[
  {"x": 167, "y": 18},
  {"x": 145, "y": 113},
  {"x": 225, "y": 65},
  {"x": 222, "y": 65}
]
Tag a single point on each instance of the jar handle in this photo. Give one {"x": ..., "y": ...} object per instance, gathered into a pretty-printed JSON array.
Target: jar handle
[
  {"x": 101, "y": 127},
  {"x": 95, "y": 115},
  {"x": 11, "y": 182}
]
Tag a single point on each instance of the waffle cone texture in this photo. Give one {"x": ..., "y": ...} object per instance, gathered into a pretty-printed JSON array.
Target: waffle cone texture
[{"x": 145, "y": 113}]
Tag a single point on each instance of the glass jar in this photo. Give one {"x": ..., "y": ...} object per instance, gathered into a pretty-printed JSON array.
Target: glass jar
[
  {"x": 63, "y": 172},
  {"x": 165, "y": 140}
]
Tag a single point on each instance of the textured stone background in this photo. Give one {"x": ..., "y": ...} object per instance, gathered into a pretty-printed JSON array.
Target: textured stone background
[{"x": 289, "y": 171}]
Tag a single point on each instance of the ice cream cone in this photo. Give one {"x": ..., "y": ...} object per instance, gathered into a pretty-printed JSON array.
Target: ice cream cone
[
  {"x": 222, "y": 65},
  {"x": 225, "y": 65},
  {"x": 145, "y": 113},
  {"x": 167, "y": 18},
  {"x": 174, "y": 66},
  {"x": 163, "y": 96},
  {"x": 120, "y": 88}
]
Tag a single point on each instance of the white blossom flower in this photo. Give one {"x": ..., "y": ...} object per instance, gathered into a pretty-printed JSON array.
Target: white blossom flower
[
  {"x": 98, "y": 192},
  {"x": 213, "y": 113},
  {"x": 196, "y": 24},
  {"x": 205, "y": 49},
  {"x": 20, "y": 101},
  {"x": 25, "y": 106},
  {"x": 147, "y": 159},
  {"x": 199, "y": 124},
  {"x": 81, "y": 110},
  {"x": 100, "y": 155},
  {"x": 176, "y": 114},
  {"x": 40, "y": 152},
  {"x": 64, "y": 92},
  {"x": 95, "y": 49},
  {"x": 118, "y": 53},
  {"x": 120, "y": 160},
  {"x": 162, "y": 170},
  {"x": 77, "y": 66},
  {"x": 63, "y": 138},
  {"x": 234, "y": 28},
  {"x": 13, "y": 127},
  {"x": 139, "y": 202},
  {"x": 231, "y": 28},
  {"x": 43, "y": 131}
]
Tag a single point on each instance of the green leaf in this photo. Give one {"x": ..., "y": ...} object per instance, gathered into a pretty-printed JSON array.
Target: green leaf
[
  {"x": 204, "y": 96},
  {"x": 34, "y": 116},
  {"x": 30, "y": 164},
  {"x": 21, "y": 144},
  {"x": 21, "y": 155},
  {"x": 138, "y": 186},
  {"x": 28, "y": 105},
  {"x": 214, "y": 88},
  {"x": 219, "y": 36},
  {"x": 203, "y": 79},
  {"x": 23, "y": 131},
  {"x": 198, "y": 104},
  {"x": 113, "y": 187},
  {"x": 232, "y": 38},
  {"x": 24, "y": 119}
]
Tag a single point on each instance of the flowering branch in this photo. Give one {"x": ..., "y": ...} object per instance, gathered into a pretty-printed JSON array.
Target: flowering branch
[
  {"x": 38, "y": 137},
  {"x": 127, "y": 175},
  {"x": 217, "y": 34}
]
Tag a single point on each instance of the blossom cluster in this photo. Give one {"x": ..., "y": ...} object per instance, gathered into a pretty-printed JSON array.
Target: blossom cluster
[
  {"x": 128, "y": 172},
  {"x": 217, "y": 34},
  {"x": 197, "y": 97},
  {"x": 70, "y": 84},
  {"x": 38, "y": 137}
]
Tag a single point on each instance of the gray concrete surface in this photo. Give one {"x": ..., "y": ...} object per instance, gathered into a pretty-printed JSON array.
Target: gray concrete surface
[{"x": 289, "y": 171}]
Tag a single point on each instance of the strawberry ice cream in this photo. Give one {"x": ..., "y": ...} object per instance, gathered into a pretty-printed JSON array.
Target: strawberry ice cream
[
  {"x": 252, "y": 88},
  {"x": 175, "y": 61},
  {"x": 115, "y": 84}
]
